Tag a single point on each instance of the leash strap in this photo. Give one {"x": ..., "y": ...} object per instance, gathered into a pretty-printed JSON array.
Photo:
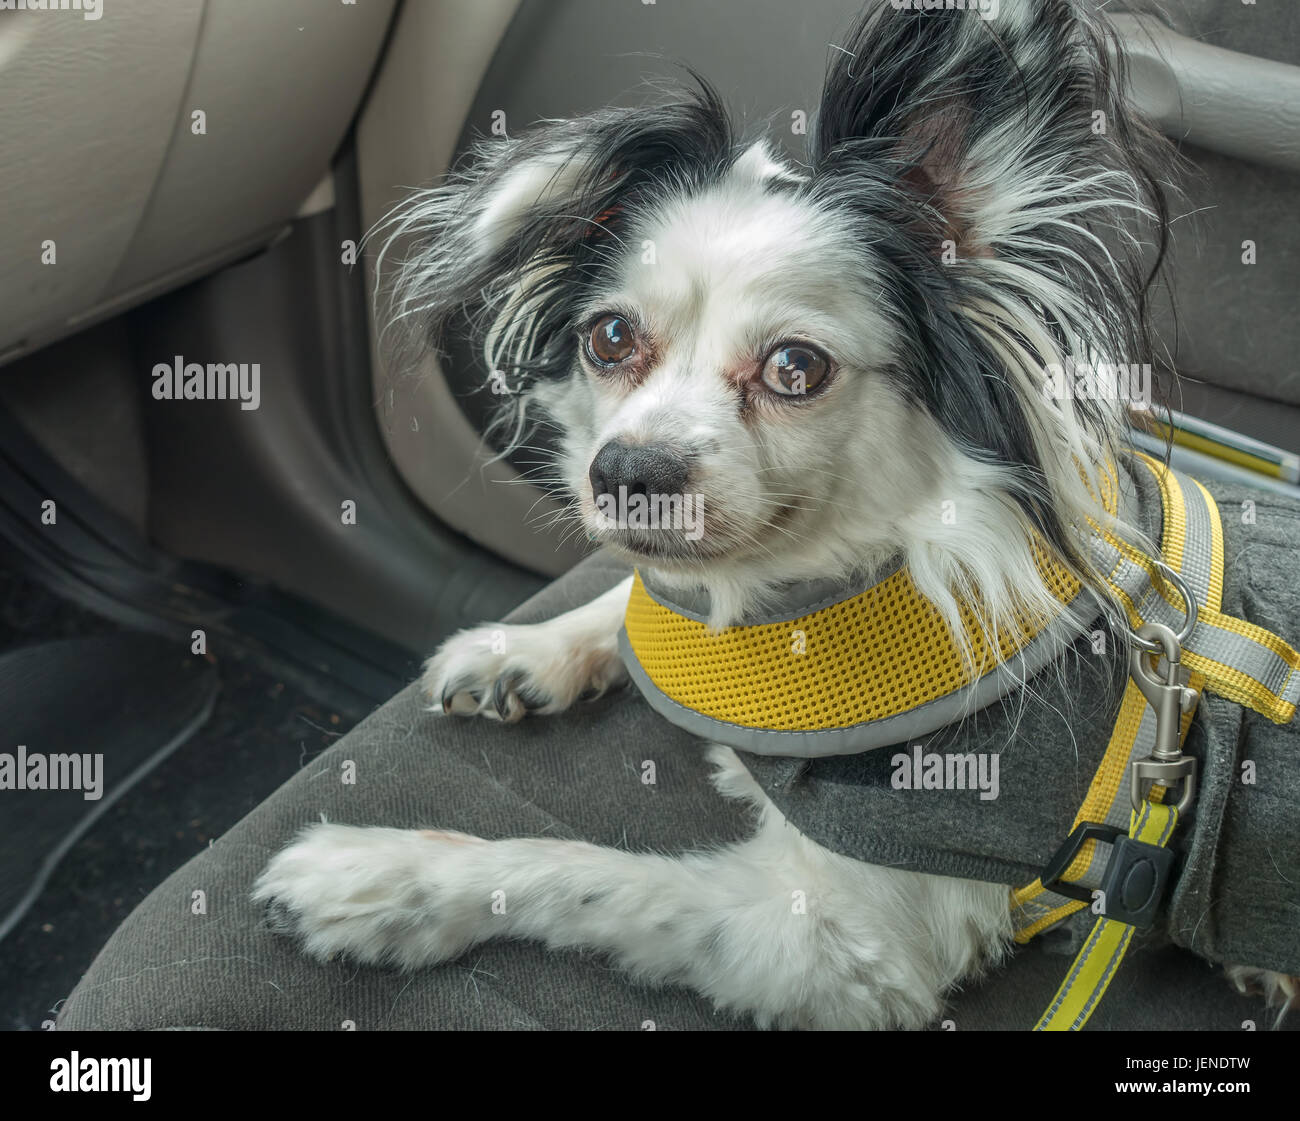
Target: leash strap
[
  {"x": 1192, "y": 545},
  {"x": 1099, "y": 959},
  {"x": 1229, "y": 656}
]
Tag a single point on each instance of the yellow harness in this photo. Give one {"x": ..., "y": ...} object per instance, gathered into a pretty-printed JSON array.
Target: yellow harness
[{"x": 879, "y": 666}]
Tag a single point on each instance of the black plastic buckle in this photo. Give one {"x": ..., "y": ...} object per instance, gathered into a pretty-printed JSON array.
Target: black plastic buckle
[{"x": 1136, "y": 880}]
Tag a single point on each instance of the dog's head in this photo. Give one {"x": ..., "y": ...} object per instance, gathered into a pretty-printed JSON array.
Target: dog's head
[{"x": 764, "y": 371}]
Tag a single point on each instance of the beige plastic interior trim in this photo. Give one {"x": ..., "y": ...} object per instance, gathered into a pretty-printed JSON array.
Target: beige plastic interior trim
[
  {"x": 279, "y": 84},
  {"x": 101, "y": 158},
  {"x": 406, "y": 137},
  {"x": 1221, "y": 100},
  {"x": 90, "y": 109}
]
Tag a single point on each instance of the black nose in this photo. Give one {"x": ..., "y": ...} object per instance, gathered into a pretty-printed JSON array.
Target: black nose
[{"x": 643, "y": 469}]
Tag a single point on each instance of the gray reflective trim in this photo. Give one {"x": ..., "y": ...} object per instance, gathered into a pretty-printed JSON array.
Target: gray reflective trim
[
  {"x": 1039, "y": 907},
  {"x": 1291, "y": 691},
  {"x": 1120, "y": 813},
  {"x": 1198, "y": 552},
  {"x": 1131, "y": 578},
  {"x": 1066, "y": 629},
  {"x": 1051, "y": 901},
  {"x": 1237, "y": 651},
  {"x": 1240, "y": 652}
]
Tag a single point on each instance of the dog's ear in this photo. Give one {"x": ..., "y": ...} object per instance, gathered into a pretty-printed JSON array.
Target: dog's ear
[
  {"x": 517, "y": 233},
  {"x": 991, "y": 116}
]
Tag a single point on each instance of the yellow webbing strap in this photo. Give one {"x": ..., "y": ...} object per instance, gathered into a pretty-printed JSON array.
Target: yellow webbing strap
[{"x": 1097, "y": 962}]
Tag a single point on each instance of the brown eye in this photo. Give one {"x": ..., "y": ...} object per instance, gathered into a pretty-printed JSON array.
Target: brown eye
[
  {"x": 792, "y": 371},
  {"x": 611, "y": 341}
]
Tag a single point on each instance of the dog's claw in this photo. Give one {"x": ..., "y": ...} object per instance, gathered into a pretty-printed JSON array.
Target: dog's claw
[
  {"x": 499, "y": 698},
  {"x": 279, "y": 916},
  {"x": 531, "y": 699},
  {"x": 502, "y": 692},
  {"x": 456, "y": 689}
]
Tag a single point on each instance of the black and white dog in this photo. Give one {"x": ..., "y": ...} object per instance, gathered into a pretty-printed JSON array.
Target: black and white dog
[{"x": 823, "y": 354}]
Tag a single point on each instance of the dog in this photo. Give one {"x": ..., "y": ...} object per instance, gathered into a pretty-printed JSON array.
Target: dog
[{"x": 821, "y": 355}]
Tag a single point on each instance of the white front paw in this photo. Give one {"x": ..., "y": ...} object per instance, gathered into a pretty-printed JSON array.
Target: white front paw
[
  {"x": 504, "y": 672},
  {"x": 376, "y": 895}
]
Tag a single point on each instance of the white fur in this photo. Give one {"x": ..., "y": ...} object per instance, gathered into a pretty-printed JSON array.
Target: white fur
[{"x": 775, "y": 928}]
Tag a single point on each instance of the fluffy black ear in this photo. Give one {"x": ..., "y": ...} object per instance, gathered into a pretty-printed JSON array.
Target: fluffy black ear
[
  {"x": 996, "y": 114},
  {"x": 995, "y": 167},
  {"x": 517, "y": 235}
]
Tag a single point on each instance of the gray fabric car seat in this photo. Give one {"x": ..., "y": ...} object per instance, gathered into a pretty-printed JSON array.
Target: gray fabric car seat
[{"x": 573, "y": 775}]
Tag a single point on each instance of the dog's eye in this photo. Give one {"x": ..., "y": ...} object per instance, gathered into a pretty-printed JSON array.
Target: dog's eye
[
  {"x": 791, "y": 371},
  {"x": 611, "y": 341}
]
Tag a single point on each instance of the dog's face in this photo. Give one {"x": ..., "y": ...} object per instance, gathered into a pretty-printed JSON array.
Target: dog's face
[
  {"x": 735, "y": 366},
  {"x": 762, "y": 371}
]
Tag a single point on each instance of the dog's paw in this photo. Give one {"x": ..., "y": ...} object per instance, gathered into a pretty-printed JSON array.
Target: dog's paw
[
  {"x": 378, "y": 896},
  {"x": 505, "y": 672},
  {"x": 1279, "y": 990}
]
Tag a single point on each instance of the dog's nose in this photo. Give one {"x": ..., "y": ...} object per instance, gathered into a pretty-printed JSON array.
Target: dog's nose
[{"x": 643, "y": 469}]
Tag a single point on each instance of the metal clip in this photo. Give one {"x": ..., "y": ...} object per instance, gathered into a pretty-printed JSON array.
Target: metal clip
[{"x": 1169, "y": 698}]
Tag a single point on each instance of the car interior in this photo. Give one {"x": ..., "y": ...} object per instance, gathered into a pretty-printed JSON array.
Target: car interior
[{"x": 212, "y": 594}]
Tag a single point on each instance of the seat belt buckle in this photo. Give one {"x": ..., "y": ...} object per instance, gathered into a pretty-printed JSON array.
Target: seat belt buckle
[{"x": 1133, "y": 886}]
